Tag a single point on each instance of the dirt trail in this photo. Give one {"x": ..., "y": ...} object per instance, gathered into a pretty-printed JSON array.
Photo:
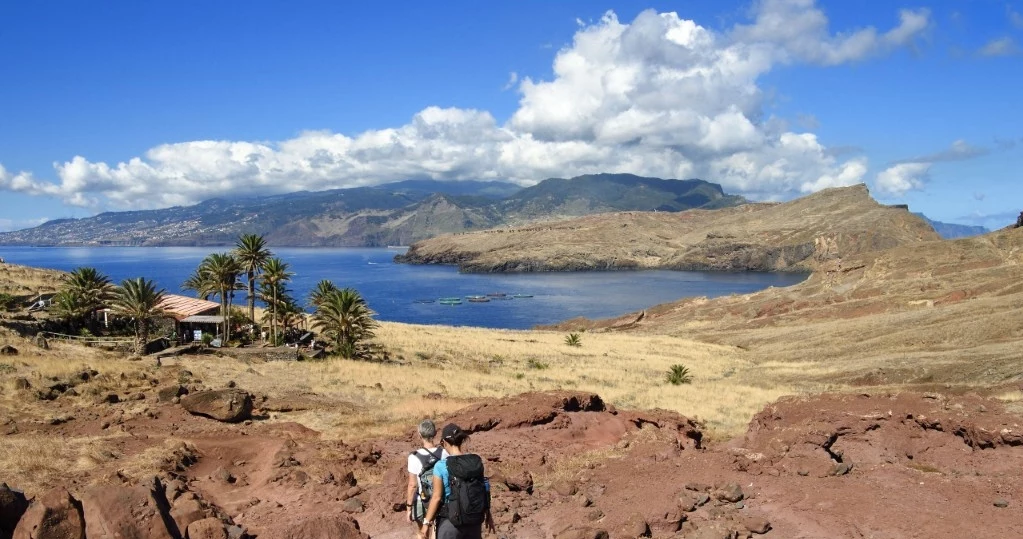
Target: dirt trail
[{"x": 567, "y": 465}]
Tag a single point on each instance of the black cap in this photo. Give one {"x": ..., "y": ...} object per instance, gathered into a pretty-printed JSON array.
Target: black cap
[{"x": 452, "y": 432}]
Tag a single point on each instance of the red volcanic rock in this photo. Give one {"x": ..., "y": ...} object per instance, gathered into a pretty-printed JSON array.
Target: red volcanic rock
[
  {"x": 228, "y": 405},
  {"x": 336, "y": 526},
  {"x": 137, "y": 512},
  {"x": 54, "y": 515},
  {"x": 207, "y": 528},
  {"x": 12, "y": 505}
]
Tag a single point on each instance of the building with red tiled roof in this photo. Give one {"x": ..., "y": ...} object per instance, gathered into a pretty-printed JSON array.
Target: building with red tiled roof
[{"x": 181, "y": 307}]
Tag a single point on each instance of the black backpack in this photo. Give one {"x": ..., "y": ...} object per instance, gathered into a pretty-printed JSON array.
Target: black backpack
[
  {"x": 469, "y": 500},
  {"x": 424, "y": 487}
]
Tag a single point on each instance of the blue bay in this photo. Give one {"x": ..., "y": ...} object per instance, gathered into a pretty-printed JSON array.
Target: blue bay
[{"x": 392, "y": 289}]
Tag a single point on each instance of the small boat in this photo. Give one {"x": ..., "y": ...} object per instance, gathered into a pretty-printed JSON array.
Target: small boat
[
  {"x": 501, "y": 297},
  {"x": 455, "y": 301},
  {"x": 450, "y": 299},
  {"x": 522, "y": 296},
  {"x": 475, "y": 297},
  {"x": 479, "y": 299},
  {"x": 423, "y": 301}
]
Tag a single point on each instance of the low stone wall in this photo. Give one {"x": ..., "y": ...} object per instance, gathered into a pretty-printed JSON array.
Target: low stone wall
[{"x": 280, "y": 353}]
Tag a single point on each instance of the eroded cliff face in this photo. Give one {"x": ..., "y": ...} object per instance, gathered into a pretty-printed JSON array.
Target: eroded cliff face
[{"x": 800, "y": 236}]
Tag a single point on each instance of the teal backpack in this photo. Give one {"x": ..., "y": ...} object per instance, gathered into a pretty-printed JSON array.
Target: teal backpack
[{"x": 424, "y": 488}]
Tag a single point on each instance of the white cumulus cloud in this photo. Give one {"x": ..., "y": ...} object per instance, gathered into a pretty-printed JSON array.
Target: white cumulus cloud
[
  {"x": 899, "y": 179},
  {"x": 660, "y": 95}
]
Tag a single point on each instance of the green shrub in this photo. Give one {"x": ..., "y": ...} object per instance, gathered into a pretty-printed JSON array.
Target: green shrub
[
  {"x": 534, "y": 363},
  {"x": 678, "y": 375},
  {"x": 7, "y": 301},
  {"x": 573, "y": 339}
]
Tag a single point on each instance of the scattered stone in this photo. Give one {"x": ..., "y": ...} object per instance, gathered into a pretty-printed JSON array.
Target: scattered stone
[
  {"x": 583, "y": 500},
  {"x": 54, "y": 515},
  {"x": 231, "y": 384},
  {"x": 353, "y": 505},
  {"x": 169, "y": 393},
  {"x": 729, "y": 493},
  {"x": 757, "y": 524},
  {"x": 582, "y": 533},
  {"x": 22, "y": 383},
  {"x": 41, "y": 342},
  {"x": 687, "y": 503},
  {"x": 841, "y": 468},
  {"x": 207, "y": 528},
  {"x": 522, "y": 482},
  {"x": 634, "y": 527},
  {"x": 594, "y": 514},
  {"x": 110, "y": 398},
  {"x": 740, "y": 505},
  {"x": 228, "y": 405},
  {"x": 702, "y": 499},
  {"x": 698, "y": 487},
  {"x": 8, "y": 350},
  {"x": 352, "y": 492},
  {"x": 565, "y": 487},
  {"x": 803, "y": 473},
  {"x": 1002, "y": 503},
  {"x": 224, "y": 475}
]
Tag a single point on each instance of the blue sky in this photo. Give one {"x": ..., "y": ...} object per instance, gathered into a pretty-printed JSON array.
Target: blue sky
[{"x": 131, "y": 105}]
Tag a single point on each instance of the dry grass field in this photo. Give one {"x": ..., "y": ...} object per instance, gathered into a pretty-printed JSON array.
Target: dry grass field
[{"x": 438, "y": 369}]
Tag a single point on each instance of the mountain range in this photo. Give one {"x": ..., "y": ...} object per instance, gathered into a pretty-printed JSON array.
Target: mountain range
[
  {"x": 398, "y": 213},
  {"x": 393, "y": 214}
]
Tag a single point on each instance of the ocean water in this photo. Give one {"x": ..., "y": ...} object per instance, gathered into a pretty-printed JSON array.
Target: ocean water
[{"x": 392, "y": 289}]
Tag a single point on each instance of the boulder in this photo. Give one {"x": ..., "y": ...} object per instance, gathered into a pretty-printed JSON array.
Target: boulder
[
  {"x": 139, "y": 512},
  {"x": 207, "y": 528},
  {"x": 8, "y": 350},
  {"x": 228, "y": 405},
  {"x": 54, "y": 515},
  {"x": 187, "y": 510},
  {"x": 12, "y": 505},
  {"x": 333, "y": 526},
  {"x": 666, "y": 522}
]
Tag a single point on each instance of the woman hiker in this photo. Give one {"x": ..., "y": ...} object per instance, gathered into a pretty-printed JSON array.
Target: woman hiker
[
  {"x": 420, "y": 473},
  {"x": 460, "y": 504}
]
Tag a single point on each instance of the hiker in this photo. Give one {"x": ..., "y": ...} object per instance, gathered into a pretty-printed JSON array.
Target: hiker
[
  {"x": 460, "y": 504},
  {"x": 421, "y": 463}
]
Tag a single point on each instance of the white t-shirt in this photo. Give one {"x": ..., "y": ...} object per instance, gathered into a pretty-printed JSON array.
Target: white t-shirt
[{"x": 415, "y": 465}]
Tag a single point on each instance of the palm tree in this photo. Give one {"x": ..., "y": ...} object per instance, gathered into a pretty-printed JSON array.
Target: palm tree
[
  {"x": 222, "y": 270},
  {"x": 323, "y": 288},
  {"x": 200, "y": 283},
  {"x": 275, "y": 274},
  {"x": 251, "y": 253},
  {"x": 345, "y": 319},
  {"x": 84, "y": 291},
  {"x": 94, "y": 287},
  {"x": 138, "y": 299}
]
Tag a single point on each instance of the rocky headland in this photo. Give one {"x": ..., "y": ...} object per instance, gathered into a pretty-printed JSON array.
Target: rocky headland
[{"x": 800, "y": 236}]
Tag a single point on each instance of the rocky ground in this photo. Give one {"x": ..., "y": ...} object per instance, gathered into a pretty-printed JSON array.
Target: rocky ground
[{"x": 186, "y": 460}]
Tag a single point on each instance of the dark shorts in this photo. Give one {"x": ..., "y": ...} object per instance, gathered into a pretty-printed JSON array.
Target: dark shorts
[{"x": 447, "y": 530}]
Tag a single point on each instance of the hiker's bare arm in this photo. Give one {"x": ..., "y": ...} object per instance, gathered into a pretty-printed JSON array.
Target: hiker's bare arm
[
  {"x": 490, "y": 522},
  {"x": 411, "y": 493}
]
